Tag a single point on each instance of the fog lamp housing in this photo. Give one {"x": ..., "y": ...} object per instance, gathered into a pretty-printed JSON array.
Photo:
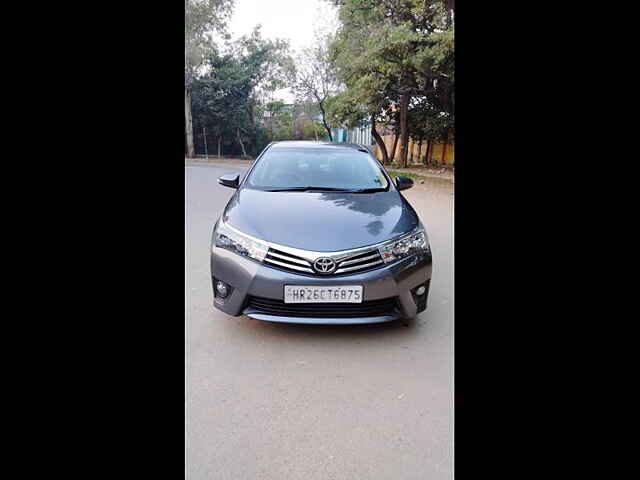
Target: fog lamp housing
[
  {"x": 420, "y": 294},
  {"x": 221, "y": 289}
]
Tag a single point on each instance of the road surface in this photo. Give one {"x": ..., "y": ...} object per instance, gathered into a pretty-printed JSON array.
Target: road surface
[{"x": 276, "y": 401}]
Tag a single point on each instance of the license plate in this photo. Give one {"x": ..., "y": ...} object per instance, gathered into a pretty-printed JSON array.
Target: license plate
[{"x": 313, "y": 294}]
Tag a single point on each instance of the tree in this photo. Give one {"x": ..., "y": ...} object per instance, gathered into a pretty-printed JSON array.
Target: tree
[
  {"x": 278, "y": 120},
  {"x": 202, "y": 18},
  {"x": 262, "y": 65},
  {"x": 233, "y": 87},
  {"x": 428, "y": 123},
  {"x": 312, "y": 77},
  {"x": 394, "y": 52}
]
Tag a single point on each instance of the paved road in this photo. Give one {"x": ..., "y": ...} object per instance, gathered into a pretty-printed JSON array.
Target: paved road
[{"x": 277, "y": 401}]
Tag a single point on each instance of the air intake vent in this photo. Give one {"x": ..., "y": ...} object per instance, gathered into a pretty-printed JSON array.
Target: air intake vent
[{"x": 370, "y": 308}]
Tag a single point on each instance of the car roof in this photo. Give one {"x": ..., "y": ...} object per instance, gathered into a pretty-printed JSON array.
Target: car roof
[{"x": 314, "y": 144}]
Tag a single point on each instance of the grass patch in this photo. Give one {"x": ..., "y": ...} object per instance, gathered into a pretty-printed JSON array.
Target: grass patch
[{"x": 400, "y": 173}]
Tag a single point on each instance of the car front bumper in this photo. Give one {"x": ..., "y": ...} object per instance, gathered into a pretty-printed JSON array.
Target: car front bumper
[{"x": 254, "y": 285}]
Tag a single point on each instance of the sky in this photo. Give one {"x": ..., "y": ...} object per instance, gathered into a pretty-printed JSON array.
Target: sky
[{"x": 293, "y": 20}]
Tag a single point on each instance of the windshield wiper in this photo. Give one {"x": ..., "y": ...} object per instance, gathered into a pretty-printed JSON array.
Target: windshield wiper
[
  {"x": 305, "y": 189},
  {"x": 368, "y": 190}
]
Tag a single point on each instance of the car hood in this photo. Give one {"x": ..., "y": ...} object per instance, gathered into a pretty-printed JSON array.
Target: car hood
[{"x": 320, "y": 221}]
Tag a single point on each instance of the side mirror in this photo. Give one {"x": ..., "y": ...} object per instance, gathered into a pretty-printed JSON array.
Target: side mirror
[
  {"x": 402, "y": 183},
  {"x": 231, "y": 180}
]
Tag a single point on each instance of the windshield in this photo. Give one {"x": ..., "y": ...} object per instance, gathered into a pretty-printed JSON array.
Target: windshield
[{"x": 317, "y": 168}]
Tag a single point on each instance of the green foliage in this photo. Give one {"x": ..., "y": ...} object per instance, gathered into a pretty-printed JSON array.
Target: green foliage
[
  {"x": 385, "y": 48},
  {"x": 312, "y": 75},
  {"x": 228, "y": 95},
  {"x": 383, "y": 51},
  {"x": 201, "y": 19},
  {"x": 346, "y": 110},
  {"x": 403, "y": 173},
  {"x": 279, "y": 124},
  {"x": 429, "y": 123},
  {"x": 310, "y": 129}
]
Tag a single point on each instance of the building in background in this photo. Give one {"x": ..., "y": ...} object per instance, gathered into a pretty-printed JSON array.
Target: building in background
[{"x": 361, "y": 135}]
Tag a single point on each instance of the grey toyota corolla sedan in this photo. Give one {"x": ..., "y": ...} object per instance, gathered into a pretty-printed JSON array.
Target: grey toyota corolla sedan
[{"x": 319, "y": 233}]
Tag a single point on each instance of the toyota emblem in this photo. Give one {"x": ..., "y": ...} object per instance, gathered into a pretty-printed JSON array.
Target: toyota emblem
[{"x": 324, "y": 265}]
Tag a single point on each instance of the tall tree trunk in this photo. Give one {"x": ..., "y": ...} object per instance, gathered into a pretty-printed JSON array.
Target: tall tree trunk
[
  {"x": 379, "y": 141},
  {"x": 404, "y": 129},
  {"x": 253, "y": 140},
  {"x": 188, "y": 123},
  {"x": 449, "y": 5},
  {"x": 324, "y": 120},
  {"x": 244, "y": 152},
  {"x": 393, "y": 150},
  {"x": 324, "y": 116},
  {"x": 412, "y": 150},
  {"x": 219, "y": 142},
  {"x": 426, "y": 155},
  {"x": 419, "y": 150},
  {"x": 444, "y": 151},
  {"x": 206, "y": 148}
]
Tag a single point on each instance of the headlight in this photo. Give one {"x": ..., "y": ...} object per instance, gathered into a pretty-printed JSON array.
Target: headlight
[
  {"x": 415, "y": 242},
  {"x": 229, "y": 238}
]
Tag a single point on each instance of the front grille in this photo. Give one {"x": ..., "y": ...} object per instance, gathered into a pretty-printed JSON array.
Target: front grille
[
  {"x": 360, "y": 262},
  {"x": 287, "y": 261},
  {"x": 349, "y": 264},
  {"x": 368, "y": 308}
]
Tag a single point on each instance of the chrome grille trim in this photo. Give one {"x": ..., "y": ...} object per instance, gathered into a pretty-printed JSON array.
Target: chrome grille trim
[
  {"x": 311, "y": 256},
  {"x": 359, "y": 267},
  {"x": 305, "y": 263},
  {"x": 344, "y": 263},
  {"x": 288, "y": 265}
]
